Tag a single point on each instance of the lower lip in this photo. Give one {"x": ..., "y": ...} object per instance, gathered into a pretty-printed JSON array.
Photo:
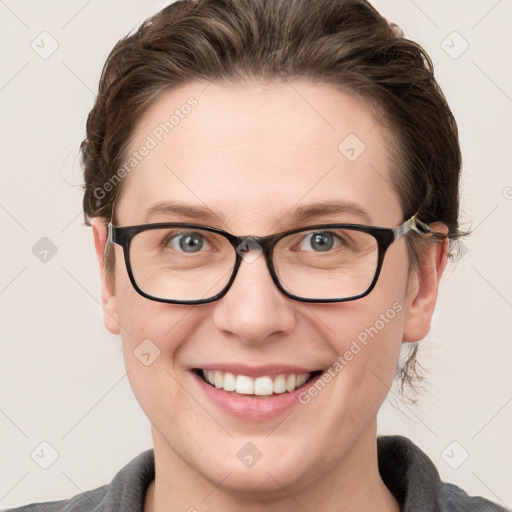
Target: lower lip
[{"x": 250, "y": 407}]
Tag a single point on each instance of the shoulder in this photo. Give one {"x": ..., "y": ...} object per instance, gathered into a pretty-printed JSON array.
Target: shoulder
[
  {"x": 85, "y": 502},
  {"x": 415, "y": 482},
  {"x": 127, "y": 488}
]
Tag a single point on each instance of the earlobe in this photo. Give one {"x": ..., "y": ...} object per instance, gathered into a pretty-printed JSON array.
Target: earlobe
[
  {"x": 108, "y": 298},
  {"x": 423, "y": 287}
]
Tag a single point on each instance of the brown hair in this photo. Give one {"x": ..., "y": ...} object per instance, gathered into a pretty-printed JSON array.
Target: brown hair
[{"x": 345, "y": 43}]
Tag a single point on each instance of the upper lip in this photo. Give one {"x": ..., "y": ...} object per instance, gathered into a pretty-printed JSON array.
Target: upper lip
[{"x": 257, "y": 371}]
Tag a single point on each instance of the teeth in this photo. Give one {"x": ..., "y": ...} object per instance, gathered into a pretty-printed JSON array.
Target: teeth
[
  {"x": 263, "y": 386},
  {"x": 229, "y": 382},
  {"x": 260, "y": 386},
  {"x": 217, "y": 379},
  {"x": 280, "y": 384},
  {"x": 290, "y": 383},
  {"x": 244, "y": 385}
]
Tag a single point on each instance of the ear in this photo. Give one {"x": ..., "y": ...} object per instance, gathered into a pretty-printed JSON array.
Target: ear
[
  {"x": 108, "y": 298},
  {"x": 423, "y": 286}
]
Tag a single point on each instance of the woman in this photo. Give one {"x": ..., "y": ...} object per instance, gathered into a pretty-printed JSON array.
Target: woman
[{"x": 272, "y": 187}]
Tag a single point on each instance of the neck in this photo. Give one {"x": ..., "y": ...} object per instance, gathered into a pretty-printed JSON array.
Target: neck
[{"x": 354, "y": 484}]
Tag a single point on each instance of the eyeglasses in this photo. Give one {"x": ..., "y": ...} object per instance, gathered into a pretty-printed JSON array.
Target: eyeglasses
[{"x": 180, "y": 263}]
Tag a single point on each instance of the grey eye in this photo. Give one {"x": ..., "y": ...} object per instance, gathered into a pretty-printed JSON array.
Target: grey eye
[
  {"x": 319, "y": 242},
  {"x": 188, "y": 242}
]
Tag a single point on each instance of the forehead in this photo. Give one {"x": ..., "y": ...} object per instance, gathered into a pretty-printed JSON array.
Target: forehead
[{"x": 251, "y": 153}]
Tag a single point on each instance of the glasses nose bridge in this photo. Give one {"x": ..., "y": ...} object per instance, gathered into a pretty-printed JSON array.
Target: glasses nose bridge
[
  {"x": 265, "y": 242},
  {"x": 243, "y": 246}
]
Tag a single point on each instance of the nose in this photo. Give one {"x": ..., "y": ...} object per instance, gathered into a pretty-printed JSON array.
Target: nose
[{"x": 254, "y": 309}]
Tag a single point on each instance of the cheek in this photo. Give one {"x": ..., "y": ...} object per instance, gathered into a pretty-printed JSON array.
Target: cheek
[
  {"x": 144, "y": 321},
  {"x": 152, "y": 335},
  {"x": 367, "y": 336},
  {"x": 373, "y": 324}
]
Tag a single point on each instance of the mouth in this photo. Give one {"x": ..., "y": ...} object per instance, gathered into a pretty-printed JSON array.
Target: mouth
[{"x": 262, "y": 386}]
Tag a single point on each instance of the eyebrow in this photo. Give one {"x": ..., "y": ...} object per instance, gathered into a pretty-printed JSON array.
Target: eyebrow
[
  {"x": 298, "y": 214},
  {"x": 181, "y": 210},
  {"x": 303, "y": 213}
]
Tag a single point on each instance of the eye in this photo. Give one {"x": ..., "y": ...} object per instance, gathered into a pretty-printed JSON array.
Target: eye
[
  {"x": 188, "y": 242},
  {"x": 320, "y": 241}
]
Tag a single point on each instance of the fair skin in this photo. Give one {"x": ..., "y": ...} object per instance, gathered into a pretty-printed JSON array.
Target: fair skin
[{"x": 251, "y": 154}]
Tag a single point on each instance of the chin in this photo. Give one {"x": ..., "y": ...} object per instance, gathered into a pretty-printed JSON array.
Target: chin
[
  {"x": 256, "y": 465},
  {"x": 261, "y": 480}
]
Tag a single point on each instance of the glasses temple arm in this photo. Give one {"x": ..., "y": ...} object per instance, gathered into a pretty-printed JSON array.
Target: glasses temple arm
[
  {"x": 413, "y": 224},
  {"x": 109, "y": 240}
]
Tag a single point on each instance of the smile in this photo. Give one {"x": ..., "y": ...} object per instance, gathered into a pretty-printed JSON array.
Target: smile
[
  {"x": 254, "y": 393},
  {"x": 260, "y": 386}
]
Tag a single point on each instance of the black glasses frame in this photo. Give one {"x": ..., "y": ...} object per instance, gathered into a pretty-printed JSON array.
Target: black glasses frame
[{"x": 123, "y": 236}]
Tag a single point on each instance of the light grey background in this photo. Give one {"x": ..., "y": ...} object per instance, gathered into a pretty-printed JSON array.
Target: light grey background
[{"x": 62, "y": 374}]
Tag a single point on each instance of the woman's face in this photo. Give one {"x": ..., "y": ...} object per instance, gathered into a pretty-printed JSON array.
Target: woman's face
[{"x": 249, "y": 157}]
